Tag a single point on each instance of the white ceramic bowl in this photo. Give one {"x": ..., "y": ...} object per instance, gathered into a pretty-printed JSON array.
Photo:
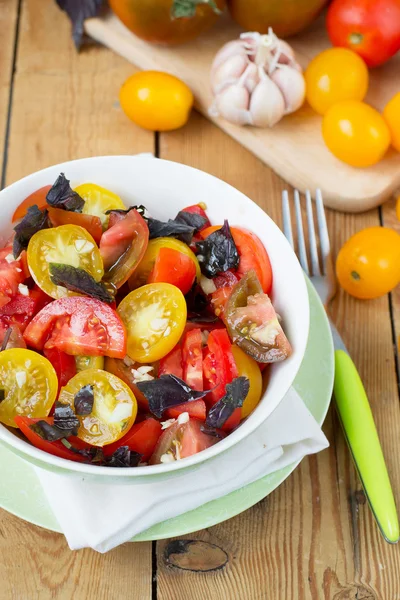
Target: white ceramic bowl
[{"x": 164, "y": 188}]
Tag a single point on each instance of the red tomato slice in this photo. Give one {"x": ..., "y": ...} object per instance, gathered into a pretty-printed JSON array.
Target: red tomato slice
[
  {"x": 123, "y": 245},
  {"x": 11, "y": 275},
  {"x": 56, "y": 448},
  {"x": 173, "y": 267},
  {"x": 197, "y": 210},
  {"x": 252, "y": 254},
  {"x": 64, "y": 365},
  {"x": 28, "y": 305},
  {"x": 195, "y": 408},
  {"x": 192, "y": 359},
  {"x": 78, "y": 325},
  {"x": 38, "y": 198},
  {"x": 142, "y": 438},
  {"x": 172, "y": 364},
  {"x": 219, "y": 367},
  {"x": 92, "y": 224}
]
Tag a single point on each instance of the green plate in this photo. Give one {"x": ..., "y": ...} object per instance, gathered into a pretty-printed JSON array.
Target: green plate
[{"x": 21, "y": 493}]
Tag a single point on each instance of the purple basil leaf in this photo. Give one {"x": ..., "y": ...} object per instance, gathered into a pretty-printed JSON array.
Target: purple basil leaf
[
  {"x": 34, "y": 220},
  {"x": 83, "y": 401},
  {"x": 79, "y": 280},
  {"x": 235, "y": 393},
  {"x": 211, "y": 431},
  {"x": 192, "y": 219},
  {"x": 93, "y": 455},
  {"x": 78, "y": 11},
  {"x": 120, "y": 211},
  {"x": 167, "y": 391},
  {"x": 180, "y": 231},
  {"x": 47, "y": 432},
  {"x": 61, "y": 195},
  {"x": 65, "y": 419},
  {"x": 123, "y": 457},
  {"x": 218, "y": 252}
]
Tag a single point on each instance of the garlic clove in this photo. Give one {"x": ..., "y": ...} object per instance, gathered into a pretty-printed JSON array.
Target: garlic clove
[
  {"x": 250, "y": 77},
  {"x": 267, "y": 105},
  {"x": 291, "y": 85},
  {"x": 233, "y": 103},
  {"x": 228, "y": 72},
  {"x": 234, "y": 48}
]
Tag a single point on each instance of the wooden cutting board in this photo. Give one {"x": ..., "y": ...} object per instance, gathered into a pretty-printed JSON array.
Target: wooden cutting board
[{"x": 294, "y": 148}]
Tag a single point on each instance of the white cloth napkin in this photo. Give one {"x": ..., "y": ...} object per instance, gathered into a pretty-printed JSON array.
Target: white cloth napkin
[{"x": 103, "y": 516}]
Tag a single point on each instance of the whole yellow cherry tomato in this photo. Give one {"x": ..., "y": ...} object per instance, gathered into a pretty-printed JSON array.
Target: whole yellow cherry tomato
[
  {"x": 356, "y": 133},
  {"x": 335, "y": 75},
  {"x": 156, "y": 101},
  {"x": 391, "y": 114},
  {"x": 368, "y": 265},
  {"x": 247, "y": 367}
]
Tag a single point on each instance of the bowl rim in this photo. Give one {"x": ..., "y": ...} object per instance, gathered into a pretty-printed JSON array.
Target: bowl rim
[{"x": 77, "y": 468}]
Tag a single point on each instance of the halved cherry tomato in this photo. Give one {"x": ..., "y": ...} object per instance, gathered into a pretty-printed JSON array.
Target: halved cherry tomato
[
  {"x": 29, "y": 383},
  {"x": 181, "y": 440},
  {"x": 155, "y": 317},
  {"x": 92, "y": 224},
  {"x": 64, "y": 365},
  {"x": 195, "y": 409},
  {"x": 171, "y": 364},
  {"x": 123, "y": 246},
  {"x": 56, "y": 448},
  {"x": 114, "y": 408},
  {"x": 67, "y": 244},
  {"x": 78, "y": 325},
  {"x": 38, "y": 198},
  {"x": 141, "y": 274},
  {"x": 173, "y": 267},
  {"x": 192, "y": 359},
  {"x": 11, "y": 275},
  {"x": 142, "y": 438},
  {"x": 252, "y": 254},
  {"x": 98, "y": 201},
  {"x": 247, "y": 367},
  {"x": 219, "y": 367},
  {"x": 124, "y": 371}
]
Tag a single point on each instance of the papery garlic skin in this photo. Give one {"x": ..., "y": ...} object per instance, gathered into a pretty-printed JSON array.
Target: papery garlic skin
[{"x": 256, "y": 80}]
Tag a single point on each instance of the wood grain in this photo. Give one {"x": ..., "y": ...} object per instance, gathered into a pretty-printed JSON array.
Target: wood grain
[
  {"x": 294, "y": 148},
  {"x": 8, "y": 20}
]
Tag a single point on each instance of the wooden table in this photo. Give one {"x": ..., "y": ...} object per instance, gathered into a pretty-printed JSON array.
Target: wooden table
[{"x": 314, "y": 537}]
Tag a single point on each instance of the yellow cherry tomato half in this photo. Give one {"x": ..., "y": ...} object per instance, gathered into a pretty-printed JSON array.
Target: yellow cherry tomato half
[
  {"x": 156, "y": 101},
  {"x": 114, "y": 407},
  {"x": 89, "y": 362},
  {"x": 98, "y": 200},
  {"x": 142, "y": 272},
  {"x": 68, "y": 245},
  {"x": 28, "y": 383},
  {"x": 335, "y": 75},
  {"x": 368, "y": 265},
  {"x": 248, "y": 367},
  {"x": 356, "y": 133},
  {"x": 155, "y": 317},
  {"x": 391, "y": 114}
]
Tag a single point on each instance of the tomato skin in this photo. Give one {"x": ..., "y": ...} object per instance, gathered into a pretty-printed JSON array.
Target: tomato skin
[
  {"x": 219, "y": 367},
  {"x": 102, "y": 332},
  {"x": 248, "y": 367},
  {"x": 173, "y": 267},
  {"x": 196, "y": 410},
  {"x": 192, "y": 358},
  {"x": 141, "y": 438},
  {"x": 38, "y": 197},
  {"x": 369, "y": 27},
  {"x": 92, "y": 224},
  {"x": 391, "y": 114},
  {"x": 356, "y": 133},
  {"x": 64, "y": 365},
  {"x": 171, "y": 364},
  {"x": 98, "y": 201},
  {"x": 368, "y": 265}
]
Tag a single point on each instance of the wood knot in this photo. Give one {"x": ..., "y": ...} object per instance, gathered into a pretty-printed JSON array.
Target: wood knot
[
  {"x": 359, "y": 497},
  {"x": 195, "y": 555},
  {"x": 355, "y": 592}
]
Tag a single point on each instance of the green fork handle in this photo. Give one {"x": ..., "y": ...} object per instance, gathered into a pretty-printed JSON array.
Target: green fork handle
[{"x": 360, "y": 431}]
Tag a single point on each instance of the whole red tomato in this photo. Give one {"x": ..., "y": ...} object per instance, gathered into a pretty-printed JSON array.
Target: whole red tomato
[{"x": 369, "y": 27}]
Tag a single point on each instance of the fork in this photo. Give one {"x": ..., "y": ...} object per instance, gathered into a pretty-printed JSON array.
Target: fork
[{"x": 351, "y": 399}]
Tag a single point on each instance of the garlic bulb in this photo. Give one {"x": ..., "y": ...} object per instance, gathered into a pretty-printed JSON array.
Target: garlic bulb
[{"x": 256, "y": 80}]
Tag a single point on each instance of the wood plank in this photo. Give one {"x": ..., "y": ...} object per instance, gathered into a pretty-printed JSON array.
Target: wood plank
[
  {"x": 65, "y": 107},
  {"x": 314, "y": 536},
  {"x": 8, "y": 20}
]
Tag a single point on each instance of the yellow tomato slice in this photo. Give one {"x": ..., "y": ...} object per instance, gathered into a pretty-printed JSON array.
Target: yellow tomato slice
[
  {"x": 155, "y": 317},
  {"x": 114, "y": 408},
  {"x": 89, "y": 362},
  {"x": 28, "y": 383},
  {"x": 142, "y": 272},
  {"x": 248, "y": 367},
  {"x": 67, "y": 244},
  {"x": 98, "y": 200}
]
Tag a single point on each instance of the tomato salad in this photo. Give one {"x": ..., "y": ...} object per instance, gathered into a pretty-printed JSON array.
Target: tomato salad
[{"x": 126, "y": 340}]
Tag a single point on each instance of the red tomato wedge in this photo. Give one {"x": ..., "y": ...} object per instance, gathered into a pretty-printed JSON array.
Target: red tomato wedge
[
  {"x": 78, "y": 325},
  {"x": 56, "y": 448},
  {"x": 173, "y": 267},
  {"x": 252, "y": 254},
  {"x": 219, "y": 367},
  {"x": 195, "y": 409},
  {"x": 11, "y": 275},
  {"x": 192, "y": 359},
  {"x": 185, "y": 438},
  {"x": 92, "y": 224},
  {"x": 224, "y": 284},
  {"x": 171, "y": 364},
  {"x": 142, "y": 438},
  {"x": 123, "y": 245},
  {"x": 64, "y": 365},
  {"x": 38, "y": 198}
]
